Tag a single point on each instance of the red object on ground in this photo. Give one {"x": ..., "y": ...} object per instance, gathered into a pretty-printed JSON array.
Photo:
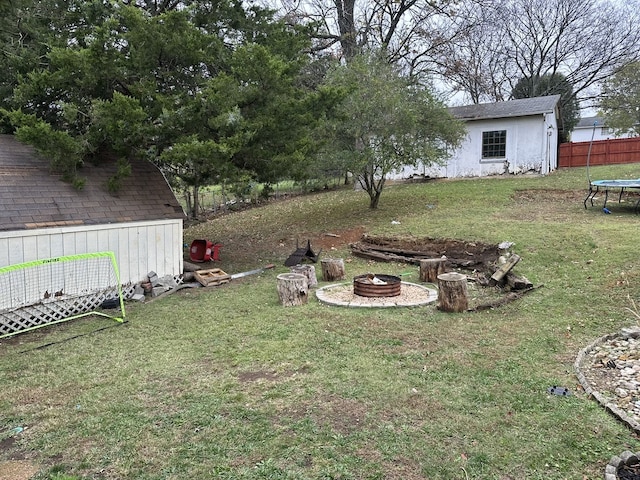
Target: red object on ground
[{"x": 204, "y": 251}]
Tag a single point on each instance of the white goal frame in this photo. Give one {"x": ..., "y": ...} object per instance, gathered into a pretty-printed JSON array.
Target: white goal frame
[{"x": 49, "y": 291}]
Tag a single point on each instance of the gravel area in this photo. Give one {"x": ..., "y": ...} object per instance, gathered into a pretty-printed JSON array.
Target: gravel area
[
  {"x": 411, "y": 295},
  {"x": 609, "y": 370}
]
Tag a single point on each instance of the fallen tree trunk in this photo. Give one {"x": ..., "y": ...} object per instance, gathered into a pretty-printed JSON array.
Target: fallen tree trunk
[
  {"x": 506, "y": 268},
  {"x": 384, "y": 256},
  {"x": 508, "y": 298}
]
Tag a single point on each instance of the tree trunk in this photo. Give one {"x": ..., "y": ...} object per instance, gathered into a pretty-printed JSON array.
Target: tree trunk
[
  {"x": 374, "y": 199},
  {"x": 292, "y": 289},
  {"x": 504, "y": 269},
  {"x": 430, "y": 268},
  {"x": 332, "y": 269},
  {"x": 452, "y": 292},
  {"x": 346, "y": 25},
  {"x": 308, "y": 271},
  {"x": 196, "y": 202},
  {"x": 187, "y": 199}
]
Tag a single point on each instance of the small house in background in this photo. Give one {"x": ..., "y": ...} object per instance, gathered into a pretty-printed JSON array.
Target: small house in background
[
  {"x": 43, "y": 217},
  {"x": 595, "y": 128},
  {"x": 517, "y": 136}
]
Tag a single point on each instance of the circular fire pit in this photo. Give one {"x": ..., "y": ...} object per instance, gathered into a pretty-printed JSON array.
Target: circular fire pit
[{"x": 376, "y": 285}]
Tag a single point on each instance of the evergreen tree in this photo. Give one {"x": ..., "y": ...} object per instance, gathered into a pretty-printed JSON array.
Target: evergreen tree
[
  {"x": 554, "y": 84},
  {"x": 209, "y": 90}
]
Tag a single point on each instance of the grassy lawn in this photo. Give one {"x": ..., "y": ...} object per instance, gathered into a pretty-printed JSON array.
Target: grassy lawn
[{"x": 225, "y": 383}]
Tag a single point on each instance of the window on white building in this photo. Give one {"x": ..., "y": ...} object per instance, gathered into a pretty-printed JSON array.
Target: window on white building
[{"x": 494, "y": 144}]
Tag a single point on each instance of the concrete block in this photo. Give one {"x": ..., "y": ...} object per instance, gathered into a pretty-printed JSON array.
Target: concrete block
[
  {"x": 153, "y": 278},
  {"x": 158, "y": 290}
]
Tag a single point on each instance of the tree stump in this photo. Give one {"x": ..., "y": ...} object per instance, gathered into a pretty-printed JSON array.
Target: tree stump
[
  {"x": 430, "y": 268},
  {"x": 292, "y": 289},
  {"x": 332, "y": 269},
  {"x": 308, "y": 271},
  {"x": 452, "y": 292}
]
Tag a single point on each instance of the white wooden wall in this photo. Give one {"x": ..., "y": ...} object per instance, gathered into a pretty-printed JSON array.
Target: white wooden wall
[
  {"x": 139, "y": 247},
  {"x": 531, "y": 146}
]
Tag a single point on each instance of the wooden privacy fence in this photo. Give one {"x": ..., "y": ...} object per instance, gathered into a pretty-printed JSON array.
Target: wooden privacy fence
[{"x": 603, "y": 152}]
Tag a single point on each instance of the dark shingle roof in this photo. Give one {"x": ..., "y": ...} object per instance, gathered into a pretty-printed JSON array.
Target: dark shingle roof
[
  {"x": 513, "y": 108},
  {"x": 32, "y": 197}
]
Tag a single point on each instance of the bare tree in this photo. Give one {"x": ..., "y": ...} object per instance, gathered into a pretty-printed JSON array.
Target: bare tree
[
  {"x": 405, "y": 29},
  {"x": 468, "y": 63},
  {"x": 584, "y": 40}
]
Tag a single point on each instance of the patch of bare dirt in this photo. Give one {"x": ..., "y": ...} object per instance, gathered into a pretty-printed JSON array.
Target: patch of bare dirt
[
  {"x": 546, "y": 194},
  {"x": 17, "y": 470},
  {"x": 340, "y": 414},
  {"x": 271, "y": 375},
  {"x": 337, "y": 239}
]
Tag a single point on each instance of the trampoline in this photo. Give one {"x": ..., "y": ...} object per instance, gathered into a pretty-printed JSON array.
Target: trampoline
[
  {"x": 611, "y": 185},
  {"x": 606, "y": 186}
]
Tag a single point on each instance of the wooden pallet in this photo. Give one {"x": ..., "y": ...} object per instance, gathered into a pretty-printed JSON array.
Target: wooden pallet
[{"x": 211, "y": 277}]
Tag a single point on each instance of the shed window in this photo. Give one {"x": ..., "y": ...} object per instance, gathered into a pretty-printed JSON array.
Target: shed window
[{"x": 494, "y": 144}]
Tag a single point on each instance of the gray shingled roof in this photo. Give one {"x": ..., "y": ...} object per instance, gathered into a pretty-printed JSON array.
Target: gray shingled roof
[
  {"x": 513, "y": 108},
  {"x": 587, "y": 122},
  {"x": 32, "y": 197}
]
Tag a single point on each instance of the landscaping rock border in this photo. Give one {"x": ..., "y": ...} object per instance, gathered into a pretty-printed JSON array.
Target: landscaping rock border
[
  {"x": 627, "y": 457},
  {"x": 608, "y": 404}
]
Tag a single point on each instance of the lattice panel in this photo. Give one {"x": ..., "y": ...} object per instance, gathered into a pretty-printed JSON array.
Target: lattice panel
[
  {"x": 52, "y": 310},
  {"x": 50, "y": 291}
]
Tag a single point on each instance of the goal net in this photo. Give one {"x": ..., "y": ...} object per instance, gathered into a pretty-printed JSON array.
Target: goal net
[{"x": 43, "y": 292}]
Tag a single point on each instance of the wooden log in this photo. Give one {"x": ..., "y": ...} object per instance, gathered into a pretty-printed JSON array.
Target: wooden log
[
  {"x": 292, "y": 289},
  {"x": 430, "y": 268},
  {"x": 308, "y": 271},
  {"x": 332, "y": 269},
  {"x": 516, "y": 282},
  {"x": 402, "y": 252},
  {"x": 190, "y": 267},
  {"x": 506, "y": 268},
  {"x": 188, "y": 276},
  {"x": 510, "y": 297},
  {"x": 379, "y": 256},
  {"x": 452, "y": 292}
]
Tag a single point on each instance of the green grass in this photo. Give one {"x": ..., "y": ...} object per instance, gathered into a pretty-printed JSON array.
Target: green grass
[{"x": 225, "y": 383}]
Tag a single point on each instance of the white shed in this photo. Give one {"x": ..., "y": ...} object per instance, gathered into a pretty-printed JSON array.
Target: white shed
[
  {"x": 43, "y": 217},
  {"x": 516, "y": 136}
]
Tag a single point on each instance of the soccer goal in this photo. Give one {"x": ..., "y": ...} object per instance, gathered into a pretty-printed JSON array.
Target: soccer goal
[{"x": 43, "y": 292}]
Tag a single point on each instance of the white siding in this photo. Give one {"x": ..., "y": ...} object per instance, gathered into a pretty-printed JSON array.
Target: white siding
[
  {"x": 584, "y": 134},
  {"x": 139, "y": 247},
  {"x": 531, "y": 147}
]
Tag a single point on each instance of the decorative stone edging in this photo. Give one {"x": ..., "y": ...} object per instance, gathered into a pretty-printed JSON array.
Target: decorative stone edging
[
  {"x": 625, "y": 458},
  {"x": 412, "y": 295},
  {"x": 625, "y": 333}
]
